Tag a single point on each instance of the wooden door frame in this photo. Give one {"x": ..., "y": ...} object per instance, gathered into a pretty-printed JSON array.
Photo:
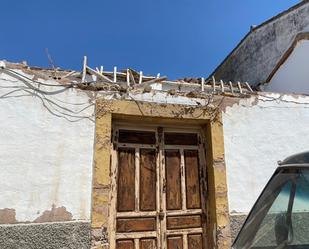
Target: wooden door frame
[
  {"x": 160, "y": 146},
  {"x": 218, "y": 232}
]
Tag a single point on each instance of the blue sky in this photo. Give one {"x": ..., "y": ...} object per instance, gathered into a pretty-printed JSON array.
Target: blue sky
[{"x": 178, "y": 38}]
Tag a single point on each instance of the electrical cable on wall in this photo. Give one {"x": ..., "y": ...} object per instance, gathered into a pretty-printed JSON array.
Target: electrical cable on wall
[
  {"x": 52, "y": 107},
  {"x": 37, "y": 82}
]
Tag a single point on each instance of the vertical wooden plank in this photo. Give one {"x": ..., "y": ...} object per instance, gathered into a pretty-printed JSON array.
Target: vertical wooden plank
[
  {"x": 195, "y": 241},
  {"x": 158, "y": 194},
  {"x": 84, "y": 69},
  {"x": 128, "y": 78},
  {"x": 147, "y": 180},
  {"x": 173, "y": 180},
  {"x": 222, "y": 85},
  {"x": 183, "y": 179},
  {"x": 162, "y": 200},
  {"x": 203, "y": 188},
  {"x": 231, "y": 86},
  {"x": 214, "y": 84},
  {"x": 137, "y": 178},
  {"x": 147, "y": 244},
  {"x": 125, "y": 244},
  {"x": 115, "y": 74},
  {"x": 192, "y": 179},
  {"x": 126, "y": 179},
  {"x": 136, "y": 243},
  {"x": 113, "y": 199},
  {"x": 174, "y": 242},
  {"x": 185, "y": 241},
  {"x": 140, "y": 77}
]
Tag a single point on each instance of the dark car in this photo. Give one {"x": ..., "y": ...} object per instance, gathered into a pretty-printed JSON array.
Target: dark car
[{"x": 280, "y": 217}]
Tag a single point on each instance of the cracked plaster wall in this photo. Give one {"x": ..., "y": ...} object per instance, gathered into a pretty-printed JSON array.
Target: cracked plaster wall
[
  {"x": 258, "y": 132},
  {"x": 46, "y": 152}
]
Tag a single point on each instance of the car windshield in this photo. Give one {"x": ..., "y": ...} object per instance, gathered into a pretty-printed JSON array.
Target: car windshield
[{"x": 280, "y": 217}]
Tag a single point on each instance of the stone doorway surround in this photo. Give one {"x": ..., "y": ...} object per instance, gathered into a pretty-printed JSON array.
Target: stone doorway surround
[{"x": 109, "y": 111}]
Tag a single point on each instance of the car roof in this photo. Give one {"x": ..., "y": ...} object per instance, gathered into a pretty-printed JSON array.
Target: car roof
[{"x": 296, "y": 159}]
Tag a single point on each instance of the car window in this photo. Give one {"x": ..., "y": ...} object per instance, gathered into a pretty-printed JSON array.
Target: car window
[
  {"x": 280, "y": 218},
  {"x": 300, "y": 214},
  {"x": 265, "y": 236}
]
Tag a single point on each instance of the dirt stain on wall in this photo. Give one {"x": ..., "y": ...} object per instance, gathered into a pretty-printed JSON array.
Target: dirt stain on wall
[
  {"x": 7, "y": 216},
  {"x": 55, "y": 214}
]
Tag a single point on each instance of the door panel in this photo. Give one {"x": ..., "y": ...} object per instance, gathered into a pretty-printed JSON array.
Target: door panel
[
  {"x": 136, "y": 224},
  {"x": 147, "y": 244},
  {"x": 175, "y": 138},
  {"x": 195, "y": 241},
  {"x": 147, "y": 180},
  {"x": 182, "y": 222},
  {"x": 126, "y": 179},
  {"x": 173, "y": 183},
  {"x": 136, "y": 137},
  {"x": 125, "y": 244},
  {"x": 174, "y": 242},
  {"x": 192, "y": 179}
]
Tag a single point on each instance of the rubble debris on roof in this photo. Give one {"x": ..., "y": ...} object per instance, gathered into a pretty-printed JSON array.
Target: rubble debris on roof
[{"x": 100, "y": 80}]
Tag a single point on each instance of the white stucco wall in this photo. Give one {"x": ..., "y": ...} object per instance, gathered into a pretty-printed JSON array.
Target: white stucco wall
[
  {"x": 258, "y": 132},
  {"x": 293, "y": 75},
  {"x": 47, "y": 139},
  {"x": 46, "y": 149}
]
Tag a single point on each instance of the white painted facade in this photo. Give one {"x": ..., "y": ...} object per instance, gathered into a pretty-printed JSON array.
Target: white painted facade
[
  {"x": 46, "y": 149},
  {"x": 258, "y": 132},
  {"x": 293, "y": 74},
  {"x": 47, "y": 139}
]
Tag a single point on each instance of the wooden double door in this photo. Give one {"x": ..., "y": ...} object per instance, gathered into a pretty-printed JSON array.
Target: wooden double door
[{"x": 158, "y": 189}]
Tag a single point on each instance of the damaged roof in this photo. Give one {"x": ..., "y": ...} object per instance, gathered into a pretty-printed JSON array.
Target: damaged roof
[{"x": 100, "y": 80}]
